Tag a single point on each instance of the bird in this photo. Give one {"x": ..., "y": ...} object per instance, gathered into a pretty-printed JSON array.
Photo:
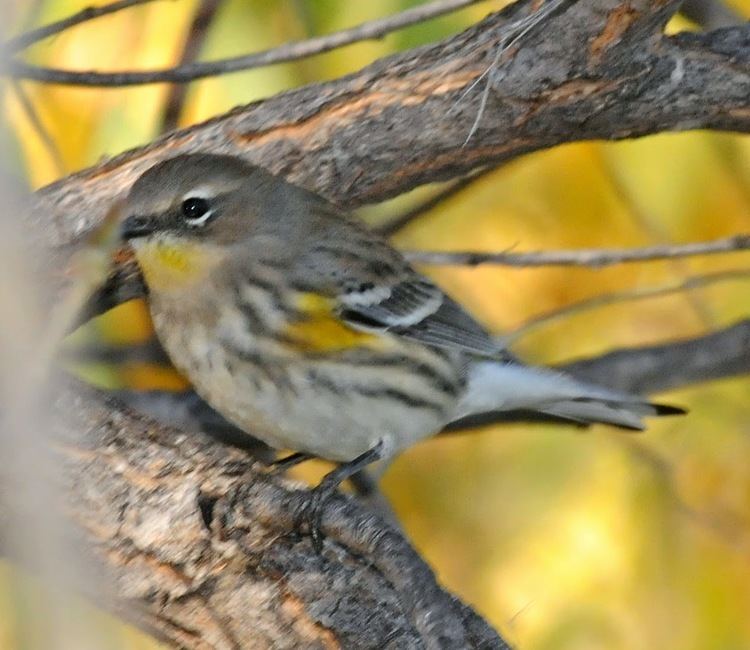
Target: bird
[{"x": 311, "y": 332}]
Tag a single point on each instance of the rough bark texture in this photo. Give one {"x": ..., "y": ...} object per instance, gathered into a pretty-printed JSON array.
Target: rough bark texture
[
  {"x": 196, "y": 544},
  {"x": 608, "y": 73},
  {"x": 193, "y": 536}
]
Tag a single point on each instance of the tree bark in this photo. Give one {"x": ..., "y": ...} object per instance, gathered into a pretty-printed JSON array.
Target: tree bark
[
  {"x": 194, "y": 537},
  {"x": 195, "y": 545},
  {"x": 608, "y": 73}
]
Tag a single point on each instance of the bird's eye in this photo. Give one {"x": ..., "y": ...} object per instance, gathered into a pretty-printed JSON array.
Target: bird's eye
[{"x": 196, "y": 210}]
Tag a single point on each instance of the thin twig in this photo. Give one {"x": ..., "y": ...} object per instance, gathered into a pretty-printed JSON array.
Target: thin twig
[
  {"x": 22, "y": 41},
  {"x": 658, "y": 234},
  {"x": 402, "y": 220},
  {"x": 287, "y": 52},
  {"x": 604, "y": 300},
  {"x": 196, "y": 37},
  {"x": 36, "y": 123},
  {"x": 589, "y": 257}
]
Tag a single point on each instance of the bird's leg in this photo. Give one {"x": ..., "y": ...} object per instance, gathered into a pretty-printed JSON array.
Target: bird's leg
[
  {"x": 312, "y": 513},
  {"x": 281, "y": 465},
  {"x": 363, "y": 483}
]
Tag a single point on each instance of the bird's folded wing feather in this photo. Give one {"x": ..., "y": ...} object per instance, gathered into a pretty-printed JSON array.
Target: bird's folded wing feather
[
  {"x": 416, "y": 309},
  {"x": 375, "y": 288},
  {"x": 396, "y": 299}
]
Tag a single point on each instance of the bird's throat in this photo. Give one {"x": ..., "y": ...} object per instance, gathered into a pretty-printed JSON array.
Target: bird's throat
[{"x": 169, "y": 265}]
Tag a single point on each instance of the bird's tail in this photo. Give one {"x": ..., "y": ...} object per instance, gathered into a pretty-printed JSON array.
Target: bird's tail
[{"x": 495, "y": 386}]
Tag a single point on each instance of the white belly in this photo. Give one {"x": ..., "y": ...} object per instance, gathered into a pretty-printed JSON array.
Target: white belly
[{"x": 326, "y": 409}]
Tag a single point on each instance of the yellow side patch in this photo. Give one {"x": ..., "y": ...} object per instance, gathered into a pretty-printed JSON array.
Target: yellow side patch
[
  {"x": 152, "y": 376},
  {"x": 322, "y": 331},
  {"x": 172, "y": 265}
]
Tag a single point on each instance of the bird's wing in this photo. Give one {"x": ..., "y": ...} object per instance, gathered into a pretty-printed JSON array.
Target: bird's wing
[
  {"x": 415, "y": 308},
  {"x": 375, "y": 289}
]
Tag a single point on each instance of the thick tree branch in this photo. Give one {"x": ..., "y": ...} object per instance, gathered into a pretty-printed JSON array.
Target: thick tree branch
[
  {"x": 197, "y": 535},
  {"x": 194, "y": 542},
  {"x": 608, "y": 73}
]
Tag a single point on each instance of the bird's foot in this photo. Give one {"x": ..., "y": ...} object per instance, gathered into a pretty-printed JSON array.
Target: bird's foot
[
  {"x": 310, "y": 518},
  {"x": 281, "y": 465}
]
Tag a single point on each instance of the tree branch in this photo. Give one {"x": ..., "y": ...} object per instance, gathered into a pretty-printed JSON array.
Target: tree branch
[
  {"x": 198, "y": 536},
  {"x": 125, "y": 282},
  {"x": 645, "y": 370},
  {"x": 609, "y": 73},
  {"x": 289, "y": 52},
  {"x": 27, "y": 39},
  {"x": 640, "y": 293},
  {"x": 199, "y": 27},
  {"x": 592, "y": 257},
  {"x": 194, "y": 544}
]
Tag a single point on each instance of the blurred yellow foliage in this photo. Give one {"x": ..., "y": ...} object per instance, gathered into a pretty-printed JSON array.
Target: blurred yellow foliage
[{"x": 564, "y": 540}]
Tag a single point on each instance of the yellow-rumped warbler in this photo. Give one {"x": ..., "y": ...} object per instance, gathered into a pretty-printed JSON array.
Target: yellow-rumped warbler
[{"x": 302, "y": 327}]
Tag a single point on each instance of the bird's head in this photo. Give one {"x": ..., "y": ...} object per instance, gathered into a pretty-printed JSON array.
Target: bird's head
[
  {"x": 184, "y": 214},
  {"x": 194, "y": 197}
]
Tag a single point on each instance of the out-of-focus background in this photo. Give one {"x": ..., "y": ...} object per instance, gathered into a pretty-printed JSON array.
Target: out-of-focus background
[{"x": 563, "y": 540}]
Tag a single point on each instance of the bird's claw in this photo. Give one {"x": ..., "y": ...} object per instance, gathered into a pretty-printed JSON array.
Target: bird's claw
[
  {"x": 309, "y": 521},
  {"x": 311, "y": 512}
]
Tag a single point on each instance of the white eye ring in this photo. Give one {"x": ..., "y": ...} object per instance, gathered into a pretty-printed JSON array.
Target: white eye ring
[{"x": 196, "y": 211}]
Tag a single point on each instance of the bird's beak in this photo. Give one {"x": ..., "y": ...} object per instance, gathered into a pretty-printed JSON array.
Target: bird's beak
[{"x": 136, "y": 226}]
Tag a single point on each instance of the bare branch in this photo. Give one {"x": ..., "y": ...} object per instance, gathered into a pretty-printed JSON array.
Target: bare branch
[
  {"x": 695, "y": 282},
  {"x": 516, "y": 33},
  {"x": 184, "y": 526},
  {"x": 288, "y": 52},
  {"x": 198, "y": 535},
  {"x": 594, "y": 257},
  {"x": 204, "y": 16},
  {"x": 552, "y": 91},
  {"x": 27, "y": 39},
  {"x": 655, "y": 368},
  {"x": 656, "y": 233},
  {"x": 125, "y": 282},
  {"x": 402, "y": 220}
]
